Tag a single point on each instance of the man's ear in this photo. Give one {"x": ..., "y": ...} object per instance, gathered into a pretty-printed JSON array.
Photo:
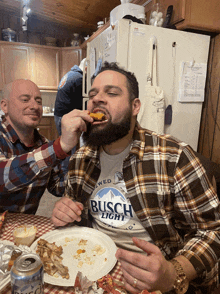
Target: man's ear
[
  {"x": 136, "y": 104},
  {"x": 4, "y": 105}
]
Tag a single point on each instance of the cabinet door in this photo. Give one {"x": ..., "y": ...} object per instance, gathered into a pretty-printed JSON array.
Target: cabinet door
[
  {"x": 47, "y": 128},
  {"x": 14, "y": 63},
  {"x": 1, "y": 73},
  {"x": 45, "y": 62},
  {"x": 178, "y": 9},
  {"x": 45, "y": 131},
  {"x": 69, "y": 58}
]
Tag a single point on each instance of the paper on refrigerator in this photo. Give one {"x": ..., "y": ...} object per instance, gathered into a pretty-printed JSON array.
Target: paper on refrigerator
[{"x": 192, "y": 82}]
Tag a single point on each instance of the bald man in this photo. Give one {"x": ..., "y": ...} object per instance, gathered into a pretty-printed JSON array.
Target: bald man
[{"x": 29, "y": 163}]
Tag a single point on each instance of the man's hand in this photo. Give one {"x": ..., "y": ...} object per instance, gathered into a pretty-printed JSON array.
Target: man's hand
[
  {"x": 72, "y": 126},
  {"x": 152, "y": 272},
  {"x": 66, "y": 211}
]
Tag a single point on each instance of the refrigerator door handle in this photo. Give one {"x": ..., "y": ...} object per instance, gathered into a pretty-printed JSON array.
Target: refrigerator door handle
[{"x": 86, "y": 73}]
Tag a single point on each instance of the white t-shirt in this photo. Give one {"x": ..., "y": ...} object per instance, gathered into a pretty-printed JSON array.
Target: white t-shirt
[{"x": 109, "y": 206}]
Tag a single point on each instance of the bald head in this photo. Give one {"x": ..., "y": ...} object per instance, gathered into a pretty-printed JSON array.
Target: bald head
[{"x": 11, "y": 87}]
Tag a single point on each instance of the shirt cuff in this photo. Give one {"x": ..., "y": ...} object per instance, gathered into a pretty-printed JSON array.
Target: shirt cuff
[{"x": 59, "y": 151}]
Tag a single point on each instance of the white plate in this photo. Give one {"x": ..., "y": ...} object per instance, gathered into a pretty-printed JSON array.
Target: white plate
[
  {"x": 23, "y": 248},
  {"x": 103, "y": 263}
]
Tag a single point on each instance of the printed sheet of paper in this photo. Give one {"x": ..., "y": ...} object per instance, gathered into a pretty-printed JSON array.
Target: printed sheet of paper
[{"x": 192, "y": 82}]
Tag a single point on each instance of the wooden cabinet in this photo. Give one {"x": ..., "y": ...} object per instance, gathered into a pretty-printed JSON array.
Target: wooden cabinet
[
  {"x": 68, "y": 58},
  {"x": 1, "y": 73},
  {"x": 47, "y": 128},
  {"x": 45, "y": 67},
  {"x": 209, "y": 140},
  {"x": 200, "y": 15},
  {"x": 15, "y": 63}
]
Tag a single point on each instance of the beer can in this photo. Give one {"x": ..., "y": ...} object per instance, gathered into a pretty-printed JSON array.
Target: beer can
[{"x": 27, "y": 275}]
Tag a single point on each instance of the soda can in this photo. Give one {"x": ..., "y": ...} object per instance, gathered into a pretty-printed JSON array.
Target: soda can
[{"x": 27, "y": 275}]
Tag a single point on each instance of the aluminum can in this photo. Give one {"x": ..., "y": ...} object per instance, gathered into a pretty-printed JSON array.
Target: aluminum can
[{"x": 27, "y": 275}]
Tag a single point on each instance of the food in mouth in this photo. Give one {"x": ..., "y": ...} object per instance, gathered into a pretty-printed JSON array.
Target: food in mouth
[{"x": 98, "y": 116}]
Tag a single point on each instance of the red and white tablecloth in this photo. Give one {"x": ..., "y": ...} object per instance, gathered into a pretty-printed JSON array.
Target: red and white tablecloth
[{"x": 43, "y": 225}]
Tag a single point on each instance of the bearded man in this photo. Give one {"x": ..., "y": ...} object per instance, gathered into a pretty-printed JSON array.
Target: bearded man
[{"x": 148, "y": 192}]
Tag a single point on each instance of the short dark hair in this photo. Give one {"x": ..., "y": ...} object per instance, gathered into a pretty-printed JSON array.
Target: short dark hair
[{"x": 132, "y": 83}]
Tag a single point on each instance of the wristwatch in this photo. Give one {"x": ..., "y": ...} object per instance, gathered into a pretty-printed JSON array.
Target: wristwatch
[{"x": 181, "y": 283}]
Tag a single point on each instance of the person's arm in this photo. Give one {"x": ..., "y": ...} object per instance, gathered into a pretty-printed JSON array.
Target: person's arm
[
  {"x": 19, "y": 171},
  {"x": 152, "y": 272},
  {"x": 198, "y": 214}
]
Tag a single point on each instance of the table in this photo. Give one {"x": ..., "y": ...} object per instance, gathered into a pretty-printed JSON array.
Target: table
[{"x": 43, "y": 225}]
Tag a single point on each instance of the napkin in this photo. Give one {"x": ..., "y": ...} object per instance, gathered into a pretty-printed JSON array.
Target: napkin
[{"x": 85, "y": 286}]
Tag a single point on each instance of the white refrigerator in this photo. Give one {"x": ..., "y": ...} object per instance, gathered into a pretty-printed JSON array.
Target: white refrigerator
[{"x": 181, "y": 63}]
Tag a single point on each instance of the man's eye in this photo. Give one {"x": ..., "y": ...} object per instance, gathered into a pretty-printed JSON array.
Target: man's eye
[
  {"x": 112, "y": 94},
  {"x": 91, "y": 95},
  {"x": 39, "y": 102}
]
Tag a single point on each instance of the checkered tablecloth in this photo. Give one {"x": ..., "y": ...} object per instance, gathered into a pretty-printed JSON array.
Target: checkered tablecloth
[{"x": 43, "y": 225}]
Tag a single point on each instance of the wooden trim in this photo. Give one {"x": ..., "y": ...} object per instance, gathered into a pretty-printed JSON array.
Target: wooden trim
[{"x": 95, "y": 34}]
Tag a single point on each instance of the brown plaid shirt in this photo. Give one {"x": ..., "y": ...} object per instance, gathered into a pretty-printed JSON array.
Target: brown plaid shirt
[{"x": 171, "y": 195}]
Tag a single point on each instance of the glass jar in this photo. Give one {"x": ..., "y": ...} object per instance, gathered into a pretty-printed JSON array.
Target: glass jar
[
  {"x": 8, "y": 35},
  {"x": 75, "y": 42},
  {"x": 157, "y": 15}
]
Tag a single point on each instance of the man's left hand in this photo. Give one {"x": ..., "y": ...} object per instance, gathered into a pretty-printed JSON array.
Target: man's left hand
[{"x": 152, "y": 272}]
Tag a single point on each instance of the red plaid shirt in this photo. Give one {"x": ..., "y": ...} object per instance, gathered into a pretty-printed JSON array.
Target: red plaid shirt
[{"x": 26, "y": 172}]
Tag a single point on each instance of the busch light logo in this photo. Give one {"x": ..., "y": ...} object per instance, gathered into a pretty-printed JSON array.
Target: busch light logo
[{"x": 112, "y": 207}]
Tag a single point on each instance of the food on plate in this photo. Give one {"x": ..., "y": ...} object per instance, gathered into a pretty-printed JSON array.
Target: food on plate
[
  {"x": 2, "y": 218},
  {"x": 82, "y": 242},
  {"x": 50, "y": 255},
  {"x": 98, "y": 249},
  {"x": 98, "y": 116},
  {"x": 84, "y": 257},
  {"x": 24, "y": 235},
  {"x": 15, "y": 254}
]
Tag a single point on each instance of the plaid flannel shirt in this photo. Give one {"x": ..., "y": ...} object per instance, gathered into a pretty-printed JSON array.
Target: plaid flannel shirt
[
  {"x": 171, "y": 195},
  {"x": 26, "y": 172}
]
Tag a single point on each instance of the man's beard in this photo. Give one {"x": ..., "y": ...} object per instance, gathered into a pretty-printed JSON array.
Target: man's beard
[{"x": 95, "y": 137}]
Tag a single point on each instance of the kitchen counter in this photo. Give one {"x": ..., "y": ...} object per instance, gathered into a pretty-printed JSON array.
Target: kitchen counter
[{"x": 48, "y": 114}]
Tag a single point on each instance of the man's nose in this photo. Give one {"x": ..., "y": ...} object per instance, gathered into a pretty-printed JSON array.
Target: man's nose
[{"x": 99, "y": 97}]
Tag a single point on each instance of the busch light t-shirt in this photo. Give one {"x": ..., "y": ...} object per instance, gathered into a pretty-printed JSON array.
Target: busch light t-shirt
[{"x": 109, "y": 206}]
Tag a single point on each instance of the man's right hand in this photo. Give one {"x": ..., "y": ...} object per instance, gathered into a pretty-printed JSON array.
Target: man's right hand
[
  {"x": 66, "y": 211},
  {"x": 72, "y": 126}
]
